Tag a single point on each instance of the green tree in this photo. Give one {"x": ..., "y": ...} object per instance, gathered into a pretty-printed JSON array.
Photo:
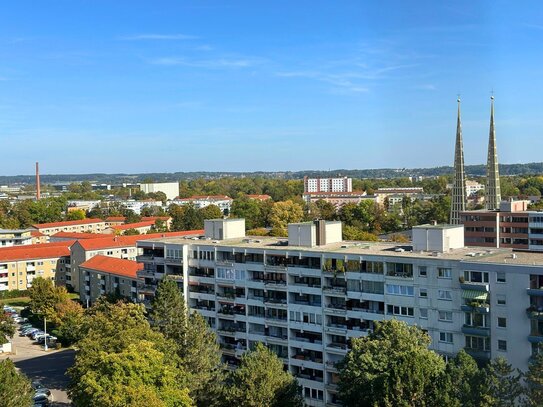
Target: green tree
[
  {"x": 200, "y": 358},
  {"x": 15, "y": 389},
  {"x": 169, "y": 312},
  {"x": 534, "y": 382},
  {"x": 78, "y": 214},
  {"x": 250, "y": 210},
  {"x": 7, "y": 327},
  {"x": 119, "y": 352},
  {"x": 260, "y": 381},
  {"x": 131, "y": 232},
  {"x": 391, "y": 367},
  {"x": 210, "y": 212},
  {"x": 463, "y": 378},
  {"x": 353, "y": 233},
  {"x": 138, "y": 374},
  {"x": 502, "y": 384},
  {"x": 44, "y": 297},
  {"x": 284, "y": 213}
]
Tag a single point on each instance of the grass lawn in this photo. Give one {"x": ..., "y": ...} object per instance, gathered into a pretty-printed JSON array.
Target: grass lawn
[{"x": 16, "y": 302}]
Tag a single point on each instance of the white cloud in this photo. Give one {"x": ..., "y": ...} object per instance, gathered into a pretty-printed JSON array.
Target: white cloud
[{"x": 218, "y": 63}]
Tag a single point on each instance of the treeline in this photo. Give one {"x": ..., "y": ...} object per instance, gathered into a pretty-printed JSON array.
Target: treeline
[
  {"x": 393, "y": 366},
  {"x": 126, "y": 356}
]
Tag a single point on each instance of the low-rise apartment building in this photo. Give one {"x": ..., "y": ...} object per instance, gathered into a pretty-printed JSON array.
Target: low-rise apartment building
[
  {"x": 513, "y": 226},
  {"x": 307, "y": 296},
  {"x": 224, "y": 202},
  {"x": 19, "y": 265},
  {"x": 109, "y": 275},
  {"x": 15, "y": 237},
  {"x": 77, "y": 226},
  {"x": 338, "y": 199},
  {"x": 123, "y": 247},
  {"x": 142, "y": 228}
]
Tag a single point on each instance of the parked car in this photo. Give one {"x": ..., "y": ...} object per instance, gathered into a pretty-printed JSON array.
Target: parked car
[
  {"x": 35, "y": 335},
  {"x": 28, "y": 331},
  {"x": 40, "y": 400},
  {"x": 25, "y": 326},
  {"x": 49, "y": 338}
]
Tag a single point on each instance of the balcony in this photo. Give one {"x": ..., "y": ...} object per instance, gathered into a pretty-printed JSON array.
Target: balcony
[
  {"x": 479, "y": 354},
  {"x": 147, "y": 289},
  {"x": 535, "y": 292},
  {"x": 336, "y": 329},
  {"x": 224, "y": 263},
  {"x": 476, "y": 306},
  {"x": 277, "y": 303},
  {"x": 535, "y": 337},
  {"x": 336, "y": 347},
  {"x": 335, "y": 290},
  {"x": 471, "y": 285},
  {"x": 275, "y": 284},
  {"x": 534, "y": 313},
  {"x": 335, "y": 309},
  {"x": 475, "y": 330}
]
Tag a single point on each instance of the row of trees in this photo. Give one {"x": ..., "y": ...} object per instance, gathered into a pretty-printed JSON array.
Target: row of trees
[{"x": 394, "y": 367}]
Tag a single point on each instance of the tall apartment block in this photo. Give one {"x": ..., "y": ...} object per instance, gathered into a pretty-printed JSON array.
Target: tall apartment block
[
  {"x": 307, "y": 296},
  {"x": 343, "y": 184}
]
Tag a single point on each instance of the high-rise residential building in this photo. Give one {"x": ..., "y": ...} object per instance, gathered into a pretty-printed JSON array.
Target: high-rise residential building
[
  {"x": 342, "y": 184},
  {"x": 492, "y": 192},
  {"x": 307, "y": 296},
  {"x": 458, "y": 200},
  {"x": 171, "y": 189}
]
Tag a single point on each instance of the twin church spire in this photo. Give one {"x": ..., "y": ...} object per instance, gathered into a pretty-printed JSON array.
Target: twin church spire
[{"x": 492, "y": 191}]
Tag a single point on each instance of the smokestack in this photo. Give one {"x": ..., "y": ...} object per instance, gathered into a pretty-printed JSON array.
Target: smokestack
[{"x": 38, "y": 192}]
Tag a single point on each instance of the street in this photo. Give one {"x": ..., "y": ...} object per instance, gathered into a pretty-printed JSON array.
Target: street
[{"x": 48, "y": 367}]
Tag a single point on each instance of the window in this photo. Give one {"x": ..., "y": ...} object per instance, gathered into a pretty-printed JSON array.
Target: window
[
  {"x": 477, "y": 343},
  {"x": 446, "y": 337},
  {"x": 402, "y": 311},
  {"x": 404, "y": 270},
  {"x": 502, "y": 322},
  {"x": 423, "y": 272},
  {"x": 225, "y": 274},
  {"x": 476, "y": 276},
  {"x": 423, "y": 293},
  {"x": 500, "y": 299},
  {"x": 500, "y": 277},
  {"x": 446, "y": 316},
  {"x": 502, "y": 345},
  {"x": 444, "y": 295},
  {"x": 395, "y": 289},
  {"x": 444, "y": 273},
  {"x": 424, "y": 313}
]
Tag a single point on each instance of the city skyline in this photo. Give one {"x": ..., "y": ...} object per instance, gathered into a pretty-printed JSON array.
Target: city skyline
[{"x": 243, "y": 87}]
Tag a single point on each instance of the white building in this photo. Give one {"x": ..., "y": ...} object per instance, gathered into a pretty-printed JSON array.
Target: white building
[
  {"x": 137, "y": 206},
  {"x": 15, "y": 237},
  {"x": 171, "y": 189},
  {"x": 307, "y": 296},
  {"x": 343, "y": 184},
  {"x": 224, "y": 202}
]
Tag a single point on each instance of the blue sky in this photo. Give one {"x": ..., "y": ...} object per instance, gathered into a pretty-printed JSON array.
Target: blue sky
[{"x": 145, "y": 86}]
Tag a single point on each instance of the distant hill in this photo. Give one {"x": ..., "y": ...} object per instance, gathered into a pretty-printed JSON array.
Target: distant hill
[{"x": 473, "y": 170}]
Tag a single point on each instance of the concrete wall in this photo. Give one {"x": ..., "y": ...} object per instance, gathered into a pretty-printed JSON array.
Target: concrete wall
[
  {"x": 302, "y": 234},
  {"x": 171, "y": 189},
  {"x": 438, "y": 238},
  {"x": 221, "y": 229}
]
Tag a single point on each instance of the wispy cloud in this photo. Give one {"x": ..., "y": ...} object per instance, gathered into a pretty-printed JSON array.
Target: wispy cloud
[
  {"x": 158, "y": 37},
  {"x": 218, "y": 63}
]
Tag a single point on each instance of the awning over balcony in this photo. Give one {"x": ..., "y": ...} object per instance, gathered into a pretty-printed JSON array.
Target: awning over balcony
[{"x": 475, "y": 295}]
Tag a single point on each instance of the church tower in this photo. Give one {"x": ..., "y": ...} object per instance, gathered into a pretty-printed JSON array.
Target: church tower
[
  {"x": 493, "y": 195},
  {"x": 458, "y": 201}
]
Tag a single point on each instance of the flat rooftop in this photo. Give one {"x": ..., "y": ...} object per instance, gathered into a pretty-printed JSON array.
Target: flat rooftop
[{"x": 471, "y": 254}]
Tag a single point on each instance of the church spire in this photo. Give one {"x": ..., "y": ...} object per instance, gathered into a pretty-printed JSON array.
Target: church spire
[
  {"x": 458, "y": 202},
  {"x": 492, "y": 192}
]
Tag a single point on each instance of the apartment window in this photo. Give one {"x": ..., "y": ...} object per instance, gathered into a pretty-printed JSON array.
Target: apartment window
[
  {"x": 226, "y": 274},
  {"x": 423, "y": 293},
  {"x": 423, "y": 272},
  {"x": 502, "y": 322},
  {"x": 502, "y": 345},
  {"x": 446, "y": 337},
  {"x": 404, "y": 270},
  {"x": 500, "y": 299},
  {"x": 424, "y": 313},
  {"x": 477, "y": 343},
  {"x": 445, "y": 316},
  {"x": 444, "y": 272},
  {"x": 395, "y": 289},
  {"x": 402, "y": 311},
  {"x": 500, "y": 277},
  {"x": 476, "y": 276},
  {"x": 444, "y": 295}
]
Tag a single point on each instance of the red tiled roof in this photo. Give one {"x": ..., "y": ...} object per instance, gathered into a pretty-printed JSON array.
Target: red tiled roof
[
  {"x": 66, "y": 223},
  {"x": 77, "y": 235},
  {"x": 36, "y": 233},
  {"x": 36, "y": 251},
  {"x": 127, "y": 241},
  {"x": 134, "y": 225},
  {"x": 113, "y": 265}
]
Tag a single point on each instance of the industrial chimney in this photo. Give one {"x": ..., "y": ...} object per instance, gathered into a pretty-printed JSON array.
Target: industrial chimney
[{"x": 38, "y": 193}]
